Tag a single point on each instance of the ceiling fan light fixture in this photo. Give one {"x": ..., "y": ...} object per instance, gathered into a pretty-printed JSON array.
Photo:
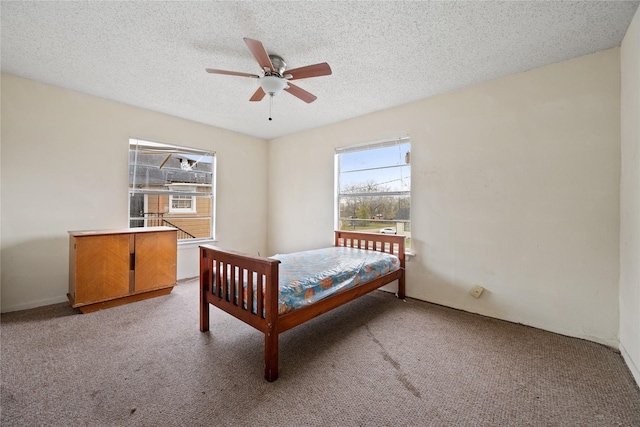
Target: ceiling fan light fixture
[{"x": 272, "y": 85}]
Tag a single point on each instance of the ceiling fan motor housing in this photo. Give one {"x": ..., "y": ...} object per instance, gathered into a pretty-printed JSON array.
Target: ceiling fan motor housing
[
  {"x": 278, "y": 64},
  {"x": 273, "y": 82}
]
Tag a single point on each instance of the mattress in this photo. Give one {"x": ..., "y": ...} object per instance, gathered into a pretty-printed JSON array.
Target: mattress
[{"x": 306, "y": 277}]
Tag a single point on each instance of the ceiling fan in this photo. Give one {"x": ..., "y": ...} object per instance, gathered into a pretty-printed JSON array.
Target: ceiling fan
[{"x": 276, "y": 77}]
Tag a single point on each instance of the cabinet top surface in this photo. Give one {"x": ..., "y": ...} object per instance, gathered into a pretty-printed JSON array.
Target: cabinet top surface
[{"x": 120, "y": 231}]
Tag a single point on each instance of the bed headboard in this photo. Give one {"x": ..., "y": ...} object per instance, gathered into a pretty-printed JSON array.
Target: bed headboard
[{"x": 388, "y": 243}]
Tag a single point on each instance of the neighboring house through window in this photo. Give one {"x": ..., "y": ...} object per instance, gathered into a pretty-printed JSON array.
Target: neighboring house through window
[
  {"x": 172, "y": 186},
  {"x": 373, "y": 187}
]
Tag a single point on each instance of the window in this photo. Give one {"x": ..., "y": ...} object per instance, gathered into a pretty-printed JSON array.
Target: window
[
  {"x": 373, "y": 187},
  {"x": 171, "y": 186},
  {"x": 182, "y": 203}
]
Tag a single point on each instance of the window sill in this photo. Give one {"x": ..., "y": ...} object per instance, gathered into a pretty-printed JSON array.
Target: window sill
[{"x": 194, "y": 244}]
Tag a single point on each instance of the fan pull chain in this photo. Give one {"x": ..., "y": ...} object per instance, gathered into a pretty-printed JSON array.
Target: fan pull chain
[{"x": 270, "y": 104}]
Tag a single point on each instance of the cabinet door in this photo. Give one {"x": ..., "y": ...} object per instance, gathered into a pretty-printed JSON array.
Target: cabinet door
[
  {"x": 156, "y": 254},
  {"x": 102, "y": 267}
]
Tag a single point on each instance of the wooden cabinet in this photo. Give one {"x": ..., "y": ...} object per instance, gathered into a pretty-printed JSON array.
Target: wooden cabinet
[{"x": 114, "y": 267}]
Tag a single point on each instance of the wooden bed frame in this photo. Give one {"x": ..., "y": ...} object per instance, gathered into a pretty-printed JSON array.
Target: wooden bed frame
[{"x": 268, "y": 321}]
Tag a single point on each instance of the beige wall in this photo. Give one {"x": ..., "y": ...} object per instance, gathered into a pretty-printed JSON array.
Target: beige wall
[
  {"x": 630, "y": 199},
  {"x": 65, "y": 167},
  {"x": 515, "y": 187}
]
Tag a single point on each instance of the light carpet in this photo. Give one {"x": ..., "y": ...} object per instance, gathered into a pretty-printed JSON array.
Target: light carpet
[{"x": 377, "y": 361}]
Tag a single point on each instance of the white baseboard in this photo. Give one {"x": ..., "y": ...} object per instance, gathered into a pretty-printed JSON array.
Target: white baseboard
[
  {"x": 34, "y": 304},
  {"x": 631, "y": 364},
  {"x": 609, "y": 342}
]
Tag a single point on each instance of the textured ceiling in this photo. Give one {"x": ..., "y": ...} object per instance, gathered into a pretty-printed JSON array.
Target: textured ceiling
[{"x": 154, "y": 54}]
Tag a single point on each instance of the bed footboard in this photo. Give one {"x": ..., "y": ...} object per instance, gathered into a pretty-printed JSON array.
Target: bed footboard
[{"x": 246, "y": 287}]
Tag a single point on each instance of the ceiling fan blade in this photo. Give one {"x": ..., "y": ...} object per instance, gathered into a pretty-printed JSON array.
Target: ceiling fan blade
[
  {"x": 258, "y": 95},
  {"x": 232, "y": 73},
  {"x": 300, "y": 93},
  {"x": 315, "y": 70},
  {"x": 260, "y": 53}
]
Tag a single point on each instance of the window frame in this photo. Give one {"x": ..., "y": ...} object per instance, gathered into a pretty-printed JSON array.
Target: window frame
[
  {"x": 341, "y": 196},
  {"x": 164, "y": 173}
]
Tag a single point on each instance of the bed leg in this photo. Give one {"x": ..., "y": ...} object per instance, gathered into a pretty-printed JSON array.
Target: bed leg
[
  {"x": 204, "y": 315},
  {"x": 204, "y": 308},
  {"x": 205, "y": 285},
  {"x": 270, "y": 355},
  {"x": 401, "y": 294}
]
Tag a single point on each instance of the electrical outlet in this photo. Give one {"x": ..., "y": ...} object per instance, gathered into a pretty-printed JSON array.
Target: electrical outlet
[{"x": 476, "y": 291}]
